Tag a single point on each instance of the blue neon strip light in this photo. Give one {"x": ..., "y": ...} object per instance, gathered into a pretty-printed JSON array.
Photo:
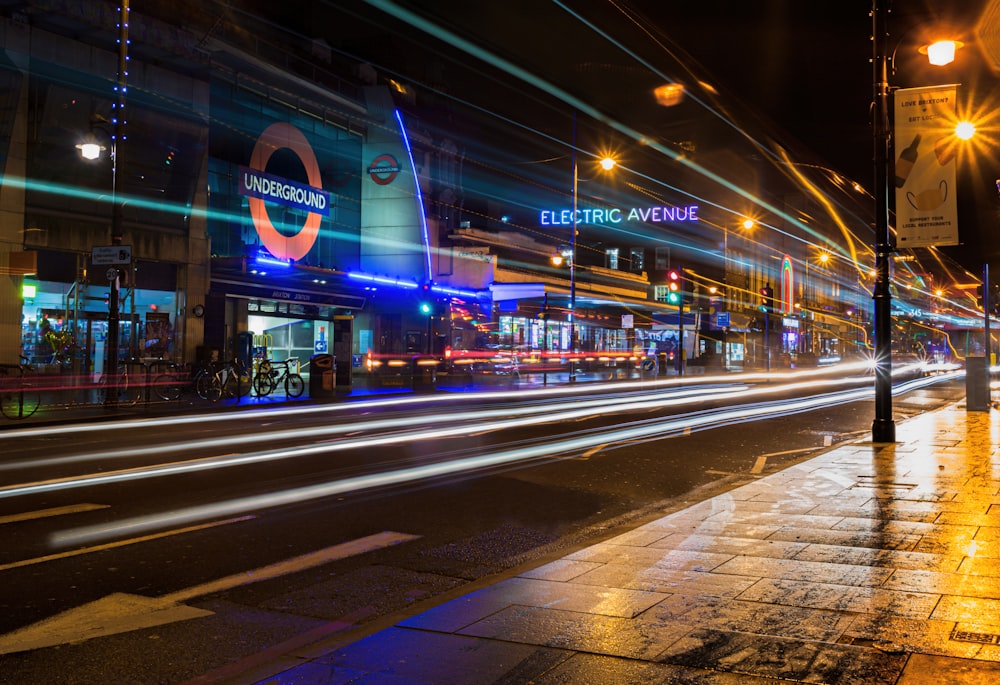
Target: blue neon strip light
[
  {"x": 471, "y": 294},
  {"x": 273, "y": 261},
  {"x": 383, "y": 279},
  {"x": 420, "y": 199}
]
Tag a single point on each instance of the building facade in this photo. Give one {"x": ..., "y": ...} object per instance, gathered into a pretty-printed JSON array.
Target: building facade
[{"x": 280, "y": 200}]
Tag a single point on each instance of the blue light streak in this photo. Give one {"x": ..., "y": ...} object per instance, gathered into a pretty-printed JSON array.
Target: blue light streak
[{"x": 420, "y": 198}]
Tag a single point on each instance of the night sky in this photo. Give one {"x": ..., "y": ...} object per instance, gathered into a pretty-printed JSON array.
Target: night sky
[{"x": 807, "y": 67}]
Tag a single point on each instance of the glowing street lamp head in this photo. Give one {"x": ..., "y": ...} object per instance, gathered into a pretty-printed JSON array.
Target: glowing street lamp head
[
  {"x": 941, "y": 52},
  {"x": 965, "y": 130},
  {"x": 669, "y": 94},
  {"x": 89, "y": 148},
  {"x": 608, "y": 163},
  {"x": 748, "y": 224}
]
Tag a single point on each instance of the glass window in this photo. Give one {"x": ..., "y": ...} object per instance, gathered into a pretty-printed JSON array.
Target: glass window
[
  {"x": 611, "y": 258},
  {"x": 662, "y": 258},
  {"x": 636, "y": 260}
]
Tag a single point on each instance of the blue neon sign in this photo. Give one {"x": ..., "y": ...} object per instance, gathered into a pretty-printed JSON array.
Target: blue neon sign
[{"x": 616, "y": 215}]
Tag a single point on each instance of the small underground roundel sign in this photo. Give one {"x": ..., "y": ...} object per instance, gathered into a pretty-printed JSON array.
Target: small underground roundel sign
[{"x": 384, "y": 169}]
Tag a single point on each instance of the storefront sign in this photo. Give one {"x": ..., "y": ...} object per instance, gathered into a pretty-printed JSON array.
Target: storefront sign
[
  {"x": 616, "y": 215},
  {"x": 263, "y": 292},
  {"x": 259, "y": 186}
]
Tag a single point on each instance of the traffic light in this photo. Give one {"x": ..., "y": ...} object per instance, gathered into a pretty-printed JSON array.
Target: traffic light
[
  {"x": 426, "y": 304},
  {"x": 767, "y": 298},
  {"x": 675, "y": 287}
]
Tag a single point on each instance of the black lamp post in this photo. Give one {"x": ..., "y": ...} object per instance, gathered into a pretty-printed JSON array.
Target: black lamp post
[
  {"x": 118, "y": 123},
  {"x": 883, "y": 427}
]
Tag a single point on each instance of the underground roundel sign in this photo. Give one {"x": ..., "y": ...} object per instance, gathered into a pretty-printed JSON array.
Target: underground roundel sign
[
  {"x": 261, "y": 187},
  {"x": 384, "y": 169}
]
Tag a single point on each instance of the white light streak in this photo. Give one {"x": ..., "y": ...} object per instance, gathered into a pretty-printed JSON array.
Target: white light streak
[{"x": 730, "y": 415}]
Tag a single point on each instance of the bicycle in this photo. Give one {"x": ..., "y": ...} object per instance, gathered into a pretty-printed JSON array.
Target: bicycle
[
  {"x": 270, "y": 374},
  {"x": 171, "y": 384},
  {"x": 18, "y": 398},
  {"x": 223, "y": 381},
  {"x": 125, "y": 394}
]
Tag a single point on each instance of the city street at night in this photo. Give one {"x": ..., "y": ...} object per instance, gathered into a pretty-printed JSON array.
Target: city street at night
[
  {"x": 267, "y": 530},
  {"x": 472, "y": 343}
]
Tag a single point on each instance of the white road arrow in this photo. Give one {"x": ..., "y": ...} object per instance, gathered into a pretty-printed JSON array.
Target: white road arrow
[{"x": 122, "y": 613}]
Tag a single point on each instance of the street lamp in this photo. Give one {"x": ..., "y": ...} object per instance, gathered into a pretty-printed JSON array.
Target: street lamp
[
  {"x": 607, "y": 163},
  {"x": 883, "y": 426},
  {"x": 90, "y": 149},
  {"x": 747, "y": 225}
]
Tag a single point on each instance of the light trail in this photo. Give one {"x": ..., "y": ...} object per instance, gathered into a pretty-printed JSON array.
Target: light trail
[
  {"x": 520, "y": 455},
  {"x": 535, "y": 393},
  {"x": 580, "y": 407},
  {"x": 232, "y": 460}
]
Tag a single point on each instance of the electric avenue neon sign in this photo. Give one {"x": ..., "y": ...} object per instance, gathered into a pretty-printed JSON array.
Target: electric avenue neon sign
[{"x": 616, "y": 215}]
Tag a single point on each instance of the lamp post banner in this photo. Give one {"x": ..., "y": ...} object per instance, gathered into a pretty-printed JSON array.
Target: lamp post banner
[{"x": 925, "y": 150}]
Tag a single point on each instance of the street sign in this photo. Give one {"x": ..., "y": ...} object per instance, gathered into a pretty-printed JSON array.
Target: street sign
[
  {"x": 722, "y": 319},
  {"x": 112, "y": 274},
  {"x": 103, "y": 255}
]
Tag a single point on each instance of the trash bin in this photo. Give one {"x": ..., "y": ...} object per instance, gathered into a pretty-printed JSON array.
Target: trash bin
[
  {"x": 321, "y": 376},
  {"x": 977, "y": 388},
  {"x": 663, "y": 363},
  {"x": 424, "y": 372}
]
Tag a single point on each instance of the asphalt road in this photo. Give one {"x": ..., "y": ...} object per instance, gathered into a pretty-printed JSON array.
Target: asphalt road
[{"x": 203, "y": 567}]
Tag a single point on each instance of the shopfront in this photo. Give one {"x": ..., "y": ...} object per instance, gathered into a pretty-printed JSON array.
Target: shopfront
[{"x": 64, "y": 323}]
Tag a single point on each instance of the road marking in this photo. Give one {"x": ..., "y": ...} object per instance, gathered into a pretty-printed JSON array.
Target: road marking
[
  {"x": 122, "y": 612},
  {"x": 783, "y": 452},
  {"x": 54, "y": 511},
  {"x": 294, "y": 565},
  {"x": 121, "y": 543},
  {"x": 758, "y": 466}
]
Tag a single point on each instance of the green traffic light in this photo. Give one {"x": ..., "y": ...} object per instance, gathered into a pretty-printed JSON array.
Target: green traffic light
[{"x": 425, "y": 308}]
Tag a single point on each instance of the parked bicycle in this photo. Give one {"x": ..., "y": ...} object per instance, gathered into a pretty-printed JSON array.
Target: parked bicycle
[
  {"x": 223, "y": 381},
  {"x": 171, "y": 384},
  {"x": 19, "y": 399},
  {"x": 210, "y": 381},
  {"x": 127, "y": 393},
  {"x": 271, "y": 374}
]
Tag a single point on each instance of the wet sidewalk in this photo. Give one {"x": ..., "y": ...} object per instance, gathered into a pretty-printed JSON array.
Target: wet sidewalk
[{"x": 867, "y": 564}]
